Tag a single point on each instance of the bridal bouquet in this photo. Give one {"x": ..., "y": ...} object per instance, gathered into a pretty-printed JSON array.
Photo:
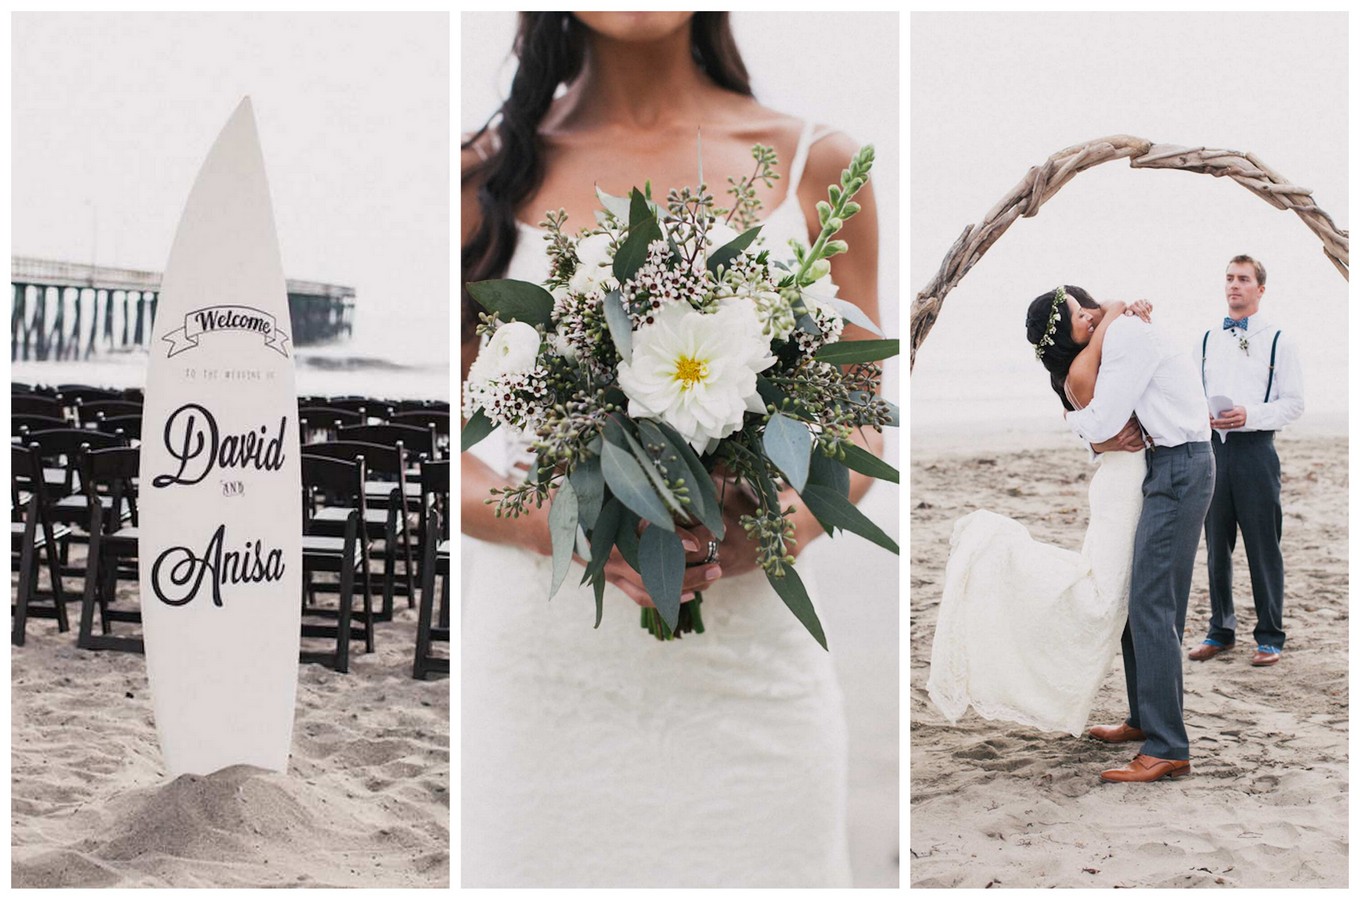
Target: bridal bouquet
[{"x": 667, "y": 348}]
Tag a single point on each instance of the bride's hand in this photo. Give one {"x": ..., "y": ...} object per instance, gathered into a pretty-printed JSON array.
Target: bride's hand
[
  {"x": 1128, "y": 440},
  {"x": 1140, "y": 308},
  {"x": 699, "y": 572}
]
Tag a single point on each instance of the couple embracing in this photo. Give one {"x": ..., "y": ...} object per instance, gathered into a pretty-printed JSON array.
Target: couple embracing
[{"x": 1050, "y": 619}]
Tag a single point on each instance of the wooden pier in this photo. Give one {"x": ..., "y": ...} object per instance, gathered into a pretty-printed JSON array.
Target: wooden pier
[{"x": 65, "y": 310}]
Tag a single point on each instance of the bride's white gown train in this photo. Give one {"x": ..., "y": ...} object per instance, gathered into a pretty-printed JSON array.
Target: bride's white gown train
[
  {"x": 607, "y": 758},
  {"x": 1026, "y": 630}
]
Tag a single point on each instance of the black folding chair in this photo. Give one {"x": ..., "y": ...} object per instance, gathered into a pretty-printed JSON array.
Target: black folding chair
[
  {"x": 326, "y": 480},
  {"x": 434, "y": 484},
  {"x": 33, "y": 533},
  {"x": 368, "y": 407},
  {"x": 23, "y": 424},
  {"x": 36, "y": 405},
  {"x": 110, "y": 488},
  {"x": 130, "y": 427},
  {"x": 323, "y": 423},
  {"x": 391, "y": 523},
  {"x": 89, "y": 411}
]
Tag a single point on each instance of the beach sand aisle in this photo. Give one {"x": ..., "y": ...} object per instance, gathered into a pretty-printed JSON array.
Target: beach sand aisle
[
  {"x": 365, "y": 802},
  {"x": 997, "y": 804}
]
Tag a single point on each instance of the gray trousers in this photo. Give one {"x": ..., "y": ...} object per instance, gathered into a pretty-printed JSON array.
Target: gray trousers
[
  {"x": 1176, "y": 494},
  {"x": 1246, "y": 496}
]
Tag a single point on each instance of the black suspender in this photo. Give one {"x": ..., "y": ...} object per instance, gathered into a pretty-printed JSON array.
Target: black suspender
[
  {"x": 1203, "y": 354},
  {"x": 1270, "y": 379}
]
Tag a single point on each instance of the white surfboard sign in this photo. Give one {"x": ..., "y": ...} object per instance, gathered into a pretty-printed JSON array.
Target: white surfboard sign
[{"x": 220, "y": 484}]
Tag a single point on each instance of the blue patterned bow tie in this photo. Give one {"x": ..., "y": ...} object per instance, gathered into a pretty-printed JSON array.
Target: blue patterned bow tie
[{"x": 1235, "y": 323}]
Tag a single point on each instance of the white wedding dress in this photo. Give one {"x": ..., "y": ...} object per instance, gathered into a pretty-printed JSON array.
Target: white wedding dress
[
  {"x": 607, "y": 758},
  {"x": 1026, "y": 630}
]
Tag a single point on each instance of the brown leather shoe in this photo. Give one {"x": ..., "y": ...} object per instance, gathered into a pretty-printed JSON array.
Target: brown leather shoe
[
  {"x": 1117, "y": 734},
  {"x": 1148, "y": 768},
  {"x": 1207, "y": 650},
  {"x": 1265, "y": 656}
]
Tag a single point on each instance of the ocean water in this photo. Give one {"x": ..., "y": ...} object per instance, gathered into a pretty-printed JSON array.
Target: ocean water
[{"x": 396, "y": 355}]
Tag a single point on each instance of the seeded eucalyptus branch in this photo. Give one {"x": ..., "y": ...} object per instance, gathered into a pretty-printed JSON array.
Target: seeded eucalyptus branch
[{"x": 743, "y": 190}]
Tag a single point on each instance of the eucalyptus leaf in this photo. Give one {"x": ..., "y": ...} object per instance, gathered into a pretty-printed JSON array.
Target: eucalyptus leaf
[
  {"x": 626, "y": 537},
  {"x": 771, "y": 393},
  {"x": 632, "y": 253},
  {"x": 588, "y": 481},
  {"x": 598, "y": 584},
  {"x": 846, "y": 352},
  {"x": 630, "y": 484},
  {"x": 864, "y": 462},
  {"x": 835, "y": 511},
  {"x": 653, "y": 473},
  {"x": 663, "y": 570},
  {"x": 642, "y": 230},
  {"x": 617, "y": 206},
  {"x": 853, "y": 314},
  {"x": 671, "y": 463},
  {"x": 518, "y": 301},
  {"x": 711, "y": 514},
  {"x": 807, "y": 324},
  {"x": 795, "y": 596},
  {"x": 724, "y": 255},
  {"x": 896, "y": 420},
  {"x": 788, "y": 444},
  {"x": 620, "y": 327},
  {"x": 562, "y": 524},
  {"x": 602, "y": 537},
  {"x": 830, "y": 473},
  {"x": 476, "y": 428},
  {"x": 639, "y": 210}
]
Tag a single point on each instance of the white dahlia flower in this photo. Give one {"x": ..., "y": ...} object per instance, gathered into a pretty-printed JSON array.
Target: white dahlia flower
[{"x": 697, "y": 372}]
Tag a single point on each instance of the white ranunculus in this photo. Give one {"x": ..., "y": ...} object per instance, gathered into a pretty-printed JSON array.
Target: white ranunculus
[
  {"x": 512, "y": 350},
  {"x": 697, "y": 372},
  {"x": 595, "y": 265}
]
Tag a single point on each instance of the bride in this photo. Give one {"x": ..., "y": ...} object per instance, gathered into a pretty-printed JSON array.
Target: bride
[
  {"x": 1026, "y": 630},
  {"x": 604, "y": 757}
]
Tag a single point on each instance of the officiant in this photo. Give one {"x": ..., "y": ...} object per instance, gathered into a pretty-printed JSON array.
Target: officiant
[{"x": 1254, "y": 383}]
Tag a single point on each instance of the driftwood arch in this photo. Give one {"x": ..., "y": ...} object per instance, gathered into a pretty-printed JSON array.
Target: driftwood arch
[{"x": 1043, "y": 181}]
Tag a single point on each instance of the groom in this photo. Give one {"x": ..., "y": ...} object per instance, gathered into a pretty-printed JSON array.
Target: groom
[{"x": 1142, "y": 373}]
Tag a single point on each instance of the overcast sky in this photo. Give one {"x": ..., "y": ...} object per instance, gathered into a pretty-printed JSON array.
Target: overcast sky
[
  {"x": 993, "y": 95},
  {"x": 112, "y": 115}
]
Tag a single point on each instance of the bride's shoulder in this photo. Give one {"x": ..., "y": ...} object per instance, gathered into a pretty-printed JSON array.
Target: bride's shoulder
[
  {"x": 829, "y": 152},
  {"x": 828, "y": 156}
]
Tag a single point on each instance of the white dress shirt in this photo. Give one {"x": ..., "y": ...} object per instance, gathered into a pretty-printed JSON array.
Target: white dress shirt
[
  {"x": 1241, "y": 376},
  {"x": 1142, "y": 372}
]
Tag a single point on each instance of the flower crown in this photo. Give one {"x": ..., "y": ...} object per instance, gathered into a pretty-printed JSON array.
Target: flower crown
[{"x": 1059, "y": 297}]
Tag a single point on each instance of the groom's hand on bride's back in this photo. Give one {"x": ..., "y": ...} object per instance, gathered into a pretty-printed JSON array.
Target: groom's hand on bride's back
[{"x": 1128, "y": 440}]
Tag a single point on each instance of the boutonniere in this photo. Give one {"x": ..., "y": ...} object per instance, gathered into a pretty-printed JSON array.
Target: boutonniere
[{"x": 1244, "y": 344}]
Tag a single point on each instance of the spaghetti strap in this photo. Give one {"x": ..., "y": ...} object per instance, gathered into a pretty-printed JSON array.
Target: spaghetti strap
[{"x": 805, "y": 141}]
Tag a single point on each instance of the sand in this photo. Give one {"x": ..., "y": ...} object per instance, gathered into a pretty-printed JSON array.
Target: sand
[
  {"x": 365, "y": 802},
  {"x": 999, "y": 805}
]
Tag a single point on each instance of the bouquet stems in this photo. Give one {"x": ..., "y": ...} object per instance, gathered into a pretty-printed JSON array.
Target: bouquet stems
[{"x": 690, "y": 620}]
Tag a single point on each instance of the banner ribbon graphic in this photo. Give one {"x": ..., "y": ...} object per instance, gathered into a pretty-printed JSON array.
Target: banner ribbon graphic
[{"x": 226, "y": 318}]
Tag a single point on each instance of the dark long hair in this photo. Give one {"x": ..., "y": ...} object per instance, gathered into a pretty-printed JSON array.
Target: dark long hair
[
  {"x": 550, "y": 47},
  {"x": 1058, "y": 356}
]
